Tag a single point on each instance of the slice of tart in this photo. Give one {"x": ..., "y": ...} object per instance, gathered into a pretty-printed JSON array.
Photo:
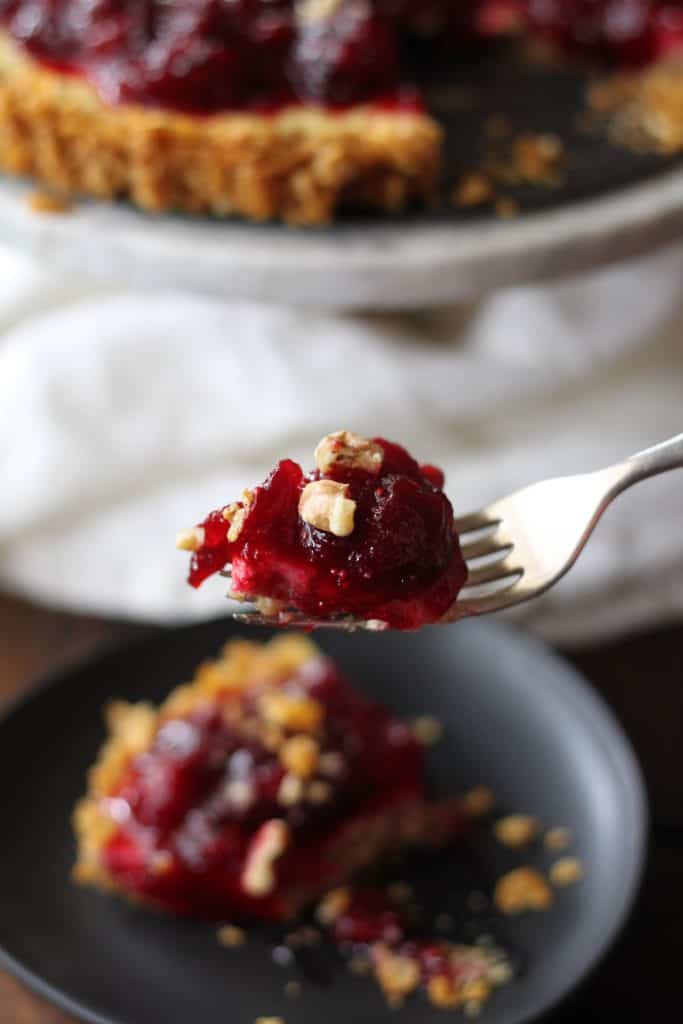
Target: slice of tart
[
  {"x": 368, "y": 533},
  {"x": 253, "y": 789}
]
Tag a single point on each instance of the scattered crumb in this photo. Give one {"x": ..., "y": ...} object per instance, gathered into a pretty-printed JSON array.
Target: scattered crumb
[
  {"x": 539, "y": 159},
  {"x": 478, "y": 801},
  {"x": 522, "y": 889},
  {"x": 230, "y": 936},
  {"x": 516, "y": 830},
  {"x": 397, "y": 975},
  {"x": 558, "y": 838},
  {"x": 473, "y": 189},
  {"x": 506, "y": 208},
  {"x": 427, "y": 730},
  {"x": 443, "y": 992},
  {"x": 530, "y": 158},
  {"x": 474, "y": 994},
  {"x": 293, "y": 989},
  {"x": 566, "y": 871},
  {"x": 47, "y": 202}
]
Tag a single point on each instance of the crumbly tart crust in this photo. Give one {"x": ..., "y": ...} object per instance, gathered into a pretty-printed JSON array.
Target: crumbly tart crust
[{"x": 300, "y": 164}]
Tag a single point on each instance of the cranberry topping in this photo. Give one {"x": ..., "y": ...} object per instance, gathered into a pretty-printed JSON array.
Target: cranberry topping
[
  {"x": 208, "y": 55},
  {"x": 400, "y": 564},
  {"x": 191, "y": 808},
  {"x": 621, "y": 32}
]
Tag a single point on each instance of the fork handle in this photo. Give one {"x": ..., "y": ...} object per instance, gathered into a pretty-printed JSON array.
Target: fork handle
[{"x": 658, "y": 459}]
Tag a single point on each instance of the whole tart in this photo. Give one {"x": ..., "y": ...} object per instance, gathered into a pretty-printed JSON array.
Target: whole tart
[
  {"x": 259, "y": 785},
  {"x": 288, "y": 109}
]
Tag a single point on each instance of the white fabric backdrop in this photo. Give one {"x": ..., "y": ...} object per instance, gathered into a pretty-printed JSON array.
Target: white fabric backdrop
[{"x": 125, "y": 416}]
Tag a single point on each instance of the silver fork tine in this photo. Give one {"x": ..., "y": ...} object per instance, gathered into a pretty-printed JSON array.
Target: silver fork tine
[
  {"x": 492, "y": 544},
  {"x": 295, "y": 620},
  {"x": 475, "y": 521},
  {"x": 492, "y": 572}
]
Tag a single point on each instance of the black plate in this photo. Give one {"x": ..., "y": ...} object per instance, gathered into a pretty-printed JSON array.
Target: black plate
[
  {"x": 499, "y": 81},
  {"x": 516, "y": 718}
]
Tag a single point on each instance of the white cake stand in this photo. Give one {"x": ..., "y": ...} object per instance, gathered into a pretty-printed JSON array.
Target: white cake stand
[{"x": 355, "y": 266}]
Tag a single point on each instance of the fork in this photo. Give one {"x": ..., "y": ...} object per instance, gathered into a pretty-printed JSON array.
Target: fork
[{"x": 520, "y": 546}]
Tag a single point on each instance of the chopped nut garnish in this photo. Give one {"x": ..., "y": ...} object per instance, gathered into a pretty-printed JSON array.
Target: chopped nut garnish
[
  {"x": 344, "y": 448},
  {"x": 522, "y": 889},
  {"x": 266, "y": 605},
  {"x": 566, "y": 871},
  {"x": 325, "y": 504},
  {"x": 231, "y": 936},
  {"x": 309, "y": 11},
  {"x": 442, "y": 991},
  {"x": 516, "y": 830},
  {"x": 427, "y": 730},
  {"x": 300, "y": 755},
  {"x": 292, "y": 711},
  {"x": 397, "y": 975},
  {"x": 236, "y": 513},
  {"x": 558, "y": 839},
  {"x": 333, "y": 905},
  {"x": 269, "y": 843},
  {"x": 190, "y": 540},
  {"x": 478, "y": 801}
]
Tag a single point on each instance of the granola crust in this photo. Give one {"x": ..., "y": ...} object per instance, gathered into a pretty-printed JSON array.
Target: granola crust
[{"x": 300, "y": 164}]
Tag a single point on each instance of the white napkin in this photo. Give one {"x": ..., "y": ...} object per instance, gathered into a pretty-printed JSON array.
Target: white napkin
[{"x": 126, "y": 416}]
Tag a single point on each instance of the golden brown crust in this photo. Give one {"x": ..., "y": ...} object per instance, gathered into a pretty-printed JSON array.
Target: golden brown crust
[{"x": 300, "y": 164}]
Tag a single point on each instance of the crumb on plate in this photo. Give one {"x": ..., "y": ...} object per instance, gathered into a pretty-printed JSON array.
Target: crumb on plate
[{"x": 522, "y": 889}]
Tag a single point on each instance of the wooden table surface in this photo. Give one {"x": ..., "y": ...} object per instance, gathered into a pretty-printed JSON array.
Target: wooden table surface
[{"x": 642, "y": 679}]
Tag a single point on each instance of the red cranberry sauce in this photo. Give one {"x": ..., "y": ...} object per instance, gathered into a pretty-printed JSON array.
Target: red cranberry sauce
[
  {"x": 617, "y": 32},
  {"x": 208, "y": 55},
  {"x": 189, "y": 810},
  {"x": 401, "y": 564}
]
